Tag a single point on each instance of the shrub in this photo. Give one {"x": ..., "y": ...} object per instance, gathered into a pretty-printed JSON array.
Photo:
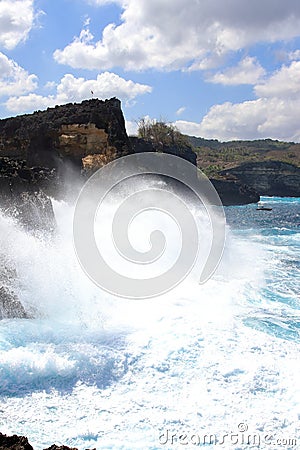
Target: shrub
[{"x": 161, "y": 134}]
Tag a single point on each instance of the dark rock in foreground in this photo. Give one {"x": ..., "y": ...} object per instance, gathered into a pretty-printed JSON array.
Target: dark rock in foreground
[
  {"x": 21, "y": 443},
  {"x": 14, "y": 442},
  {"x": 61, "y": 447}
]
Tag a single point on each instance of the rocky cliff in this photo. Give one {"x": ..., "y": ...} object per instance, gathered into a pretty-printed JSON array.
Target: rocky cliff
[
  {"x": 39, "y": 153},
  {"x": 80, "y": 138},
  {"x": 76, "y": 133},
  {"x": 233, "y": 192},
  {"x": 274, "y": 178}
]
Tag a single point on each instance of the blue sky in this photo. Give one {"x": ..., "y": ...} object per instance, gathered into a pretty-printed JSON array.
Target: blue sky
[{"x": 225, "y": 69}]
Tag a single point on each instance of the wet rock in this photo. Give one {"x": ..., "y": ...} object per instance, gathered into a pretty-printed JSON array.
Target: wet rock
[
  {"x": 22, "y": 196},
  {"x": 61, "y": 447},
  {"x": 10, "y": 306},
  {"x": 14, "y": 442}
]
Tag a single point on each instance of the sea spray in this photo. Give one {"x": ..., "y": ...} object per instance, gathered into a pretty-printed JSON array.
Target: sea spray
[{"x": 95, "y": 371}]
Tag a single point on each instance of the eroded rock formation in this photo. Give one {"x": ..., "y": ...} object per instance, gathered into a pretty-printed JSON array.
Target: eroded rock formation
[{"x": 67, "y": 133}]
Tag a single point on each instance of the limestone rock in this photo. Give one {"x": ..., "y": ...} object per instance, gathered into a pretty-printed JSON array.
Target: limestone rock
[{"x": 66, "y": 133}]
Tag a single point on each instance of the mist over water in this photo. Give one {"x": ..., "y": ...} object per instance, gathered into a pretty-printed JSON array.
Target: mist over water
[{"x": 96, "y": 371}]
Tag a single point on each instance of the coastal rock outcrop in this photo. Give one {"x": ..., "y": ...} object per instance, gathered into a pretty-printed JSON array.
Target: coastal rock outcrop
[
  {"x": 67, "y": 134},
  {"x": 22, "y": 194},
  {"x": 77, "y": 139},
  {"x": 14, "y": 442},
  {"x": 41, "y": 152},
  {"x": 21, "y": 443},
  {"x": 234, "y": 193},
  {"x": 274, "y": 178},
  {"x": 231, "y": 192}
]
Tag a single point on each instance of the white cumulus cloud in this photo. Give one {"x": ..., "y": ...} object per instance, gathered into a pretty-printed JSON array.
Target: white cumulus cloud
[
  {"x": 180, "y": 110},
  {"x": 16, "y": 21},
  {"x": 283, "y": 83},
  {"x": 248, "y": 71},
  {"x": 176, "y": 34},
  {"x": 14, "y": 80},
  {"x": 72, "y": 89},
  {"x": 274, "y": 114}
]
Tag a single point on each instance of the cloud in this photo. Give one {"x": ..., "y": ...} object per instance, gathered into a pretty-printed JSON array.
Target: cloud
[
  {"x": 16, "y": 21},
  {"x": 131, "y": 127},
  {"x": 72, "y": 89},
  {"x": 274, "y": 114},
  {"x": 176, "y": 34},
  {"x": 104, "y": 2},
  {"x": 284, "y": 83},
  {"x": 14, "y": 80},
  {"x": 248, "y": 71},
  {"x": 295, "y": 55},
  {"x": 180, "y": 111}
]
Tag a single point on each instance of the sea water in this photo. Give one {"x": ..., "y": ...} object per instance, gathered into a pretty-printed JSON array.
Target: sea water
[{"x": 215, "y": 365}]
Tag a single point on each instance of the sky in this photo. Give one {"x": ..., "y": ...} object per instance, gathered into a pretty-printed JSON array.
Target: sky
[{"x": 219, "y": 69}]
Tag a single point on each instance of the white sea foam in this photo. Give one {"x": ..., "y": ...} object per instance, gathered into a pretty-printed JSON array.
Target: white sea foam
[{"x": 93, "y": 371}]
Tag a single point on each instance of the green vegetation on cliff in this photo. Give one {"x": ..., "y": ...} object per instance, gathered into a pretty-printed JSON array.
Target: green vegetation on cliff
[
  {"x": 161, "y": 134},
  {"x": 214, "y": 156}
]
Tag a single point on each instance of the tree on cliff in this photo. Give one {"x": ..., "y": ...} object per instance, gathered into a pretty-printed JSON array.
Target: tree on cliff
[{"x": 161, "y": 134}]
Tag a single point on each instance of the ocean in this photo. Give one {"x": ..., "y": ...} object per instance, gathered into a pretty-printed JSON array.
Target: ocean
[{"x": 214, "y": 365}]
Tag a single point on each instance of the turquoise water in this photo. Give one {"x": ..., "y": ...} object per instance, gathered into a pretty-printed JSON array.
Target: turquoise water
[
  {"x": 91, "y": 371},
  {"x": 278, "y": 232}
]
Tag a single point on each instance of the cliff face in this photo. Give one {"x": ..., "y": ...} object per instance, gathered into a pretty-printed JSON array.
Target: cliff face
[
  {"x": 274, "y": 178},
  {"x": 37, "y": 153},
  {"x": 77, "y": 133},
  {"x": 231, "y": 192},
  {"x": 234, "y": 193}
]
